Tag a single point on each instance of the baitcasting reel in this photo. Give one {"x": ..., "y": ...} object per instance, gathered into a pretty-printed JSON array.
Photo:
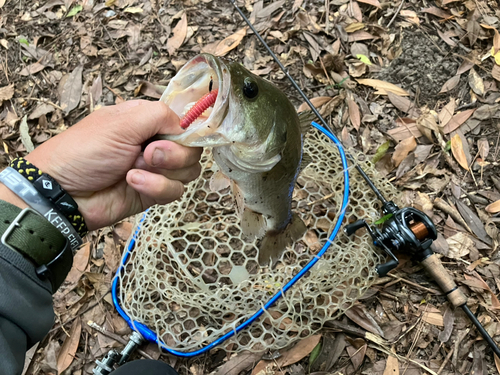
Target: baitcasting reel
[
  {"x": 403, "y": 229},
  {"x": 410, "y": 230}
]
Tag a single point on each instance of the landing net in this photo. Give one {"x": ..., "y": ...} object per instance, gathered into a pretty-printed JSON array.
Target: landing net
[{"x": 192, "y": 276}]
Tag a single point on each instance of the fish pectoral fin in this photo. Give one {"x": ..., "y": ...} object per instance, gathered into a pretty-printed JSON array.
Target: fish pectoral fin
[
  {"x": 219, "y": 181},
  {"x": 305, "y": 119},
  {"x": 238, "y": 198},
  {"x": 306, "y": 160},
  {"x": 253, "y": 224},
  {"x": 274, "y": 243}
]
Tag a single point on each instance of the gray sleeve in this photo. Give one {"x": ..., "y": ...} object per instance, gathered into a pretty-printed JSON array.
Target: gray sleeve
[{"x": 26, "y": 312}]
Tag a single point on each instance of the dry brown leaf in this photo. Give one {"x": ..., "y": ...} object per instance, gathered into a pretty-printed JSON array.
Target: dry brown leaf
[
  {"x": 69, "y": 347},
  {"x": 383, "y": 87},
  {"x": 411, "y": 16},
  {"x": 459, "y": 245},
  {"x": 407, "y": 128},
  {"x": 6, "y": 92},
  {"x": 446, "y": 113},
  {"x": 403, "y": 149},
  {"x": 391, "y": 366},
  {"x": 497, "y": 362},
  {"x": 360, "y": 35},
  {"x": 483, "y": 285},
  {"x": 317, "y": 102},
  {"x": 238, "y": 363},
  {"x": 427, "y": 125},
  {"x": 434, "y": 318},
  {"x": 80, "y": 262},
  {"x": 446, "y": 38},
  {"x": 355, "y": 26},
  {"x": 375, "y": 3},
  {"x": 458, "y": 120},
  {"x": 355, "y": 11},
  {"x": 495, "y": 72},
  {"x": 457, "y": 149},
  {"x": 483, "y": 147},
  {"x": 32, "y": 69},
  {"x": 357, "y": 351},
  {"x": 476, "y": 82},
  {"x": 72, "y": 90},
  {"x": 354, "y": 114},
  {"x": 230, "y": 42},
  {"x": 179, "y": 34},
  {"x": 437, "y": 12},
  {"x": 496, "y": 37},
  {"x": 403, "y": 104},
  {"x": 450, "y": 84},
  {"x": 361, "y": 317},
  {"x": 465, "y": 66},
  {"x": 493, "y": 208},
  {"x": 303, "y": 348}
]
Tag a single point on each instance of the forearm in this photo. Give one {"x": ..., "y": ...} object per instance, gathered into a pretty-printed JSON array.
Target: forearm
[{"x": 26, "y": 312}]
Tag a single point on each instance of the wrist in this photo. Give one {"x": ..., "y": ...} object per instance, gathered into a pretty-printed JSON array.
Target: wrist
[{"x": 8, "y": 196}]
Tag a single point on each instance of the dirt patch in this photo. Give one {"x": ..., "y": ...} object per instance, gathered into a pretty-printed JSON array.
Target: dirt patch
[{"x": 425, "y": 64}]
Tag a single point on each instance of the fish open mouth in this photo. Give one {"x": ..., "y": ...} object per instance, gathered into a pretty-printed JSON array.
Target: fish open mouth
[{"x": 198, "y": 94}]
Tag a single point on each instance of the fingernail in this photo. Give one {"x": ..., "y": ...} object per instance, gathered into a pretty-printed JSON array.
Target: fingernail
[
  {"x": 138, "y": 178},
  {"x": 158, "y": 157}
]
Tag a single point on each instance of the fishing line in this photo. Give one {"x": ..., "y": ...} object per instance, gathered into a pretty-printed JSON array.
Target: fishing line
[{"x": 148, "y": 334}]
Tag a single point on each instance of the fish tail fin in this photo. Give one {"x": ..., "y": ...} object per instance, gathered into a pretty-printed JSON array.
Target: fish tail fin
[{"x": 275, "y": 242}]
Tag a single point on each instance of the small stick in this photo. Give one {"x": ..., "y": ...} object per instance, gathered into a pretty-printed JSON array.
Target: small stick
[
  {"x": 455, "y": 215},
  {"x": 430, "y": 290},
  {"x": 396, "y": 14},
  {"x": 448, "y": 356},
  {"x": 45, "y": 101},
  {"x": 115, "y": 337}
]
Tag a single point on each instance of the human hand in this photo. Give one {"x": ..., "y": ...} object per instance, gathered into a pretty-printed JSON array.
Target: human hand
[{"x": 99, "y": 161}]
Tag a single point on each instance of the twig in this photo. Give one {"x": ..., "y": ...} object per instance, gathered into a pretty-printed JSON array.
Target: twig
[
  {"x": 448, "y": 356},
  {"x": 447, "y": 209},
  {"x": 44, "y": 101},
  {"x": 115, "y": 337},
  {"x": 430, "y": 290},
  {"x": 388, "y": 352},
  {"x": 395, "y": 14}
]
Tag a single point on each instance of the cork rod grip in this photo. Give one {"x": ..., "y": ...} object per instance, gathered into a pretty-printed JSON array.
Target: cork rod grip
[{"x": 433, "y": 265}]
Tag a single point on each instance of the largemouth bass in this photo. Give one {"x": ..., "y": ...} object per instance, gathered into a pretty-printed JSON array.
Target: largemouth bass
[{"x": 256, "y": 139}]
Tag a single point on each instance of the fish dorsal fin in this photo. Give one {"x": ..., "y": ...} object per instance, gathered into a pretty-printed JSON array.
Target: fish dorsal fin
[
  {"x": 306, "y": 160},
  {"x": 305, "y": 119},
  {"x": 219, "y": 181}
]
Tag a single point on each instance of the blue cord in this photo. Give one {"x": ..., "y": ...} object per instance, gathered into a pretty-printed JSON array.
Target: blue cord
[{"x": 151, "y": 336}]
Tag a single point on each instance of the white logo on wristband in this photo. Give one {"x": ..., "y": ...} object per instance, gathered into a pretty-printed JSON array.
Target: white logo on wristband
[{"x": 20, "y": 186}]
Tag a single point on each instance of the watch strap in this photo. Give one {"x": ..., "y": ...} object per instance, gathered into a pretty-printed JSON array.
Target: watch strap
[{"x": 31, "y": 235}]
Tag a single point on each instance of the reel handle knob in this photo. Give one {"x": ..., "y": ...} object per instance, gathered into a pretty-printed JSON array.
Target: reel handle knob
[{"x": 435, "y": 268}]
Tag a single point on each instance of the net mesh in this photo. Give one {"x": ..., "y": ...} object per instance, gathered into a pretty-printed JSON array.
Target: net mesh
[{"x": 193, "y": 276}]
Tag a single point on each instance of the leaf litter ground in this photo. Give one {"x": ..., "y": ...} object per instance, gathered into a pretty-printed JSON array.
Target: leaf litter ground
[{"x": 413, "y": 85}]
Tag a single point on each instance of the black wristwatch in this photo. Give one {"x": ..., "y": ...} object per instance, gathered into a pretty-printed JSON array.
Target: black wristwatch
[{"x": 31, "y": 235}]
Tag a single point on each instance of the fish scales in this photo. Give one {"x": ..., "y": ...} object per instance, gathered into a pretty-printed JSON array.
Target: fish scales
[{"x": 256, "y": 139}]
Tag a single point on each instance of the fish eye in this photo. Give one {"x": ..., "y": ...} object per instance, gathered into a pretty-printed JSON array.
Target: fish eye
[{"x": 250, "y": 88}]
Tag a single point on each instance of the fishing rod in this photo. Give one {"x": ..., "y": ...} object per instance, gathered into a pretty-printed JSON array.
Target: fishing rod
[{"x": 404, "y": 229}]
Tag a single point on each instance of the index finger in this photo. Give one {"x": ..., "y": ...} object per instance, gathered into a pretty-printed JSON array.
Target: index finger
[{"x": 146, "y": 119}]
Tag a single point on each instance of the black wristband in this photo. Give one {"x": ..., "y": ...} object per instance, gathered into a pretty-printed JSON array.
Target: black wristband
[{"x": 50, "y": 189}]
